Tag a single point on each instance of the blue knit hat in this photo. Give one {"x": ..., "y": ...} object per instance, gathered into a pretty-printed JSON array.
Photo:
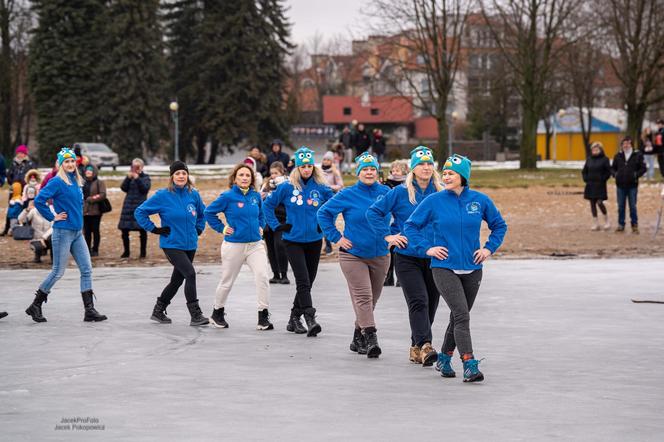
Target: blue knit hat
[
  {"x": 366, "y": 160},
  {"x": 65, "y": 154},
  {"x": 304, "y": 156},
  {"x": 419, "y": 155},
  {"x": 460, "y": 165}
]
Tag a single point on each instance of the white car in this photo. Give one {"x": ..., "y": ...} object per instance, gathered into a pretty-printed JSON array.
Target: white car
[{"x": 99, "y": 154}]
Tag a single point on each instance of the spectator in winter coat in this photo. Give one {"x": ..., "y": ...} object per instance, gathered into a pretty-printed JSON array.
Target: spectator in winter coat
[
  {"x": 16, "y": 174},
  {"x": 399, "y": 170},
  {"x": 94, "y": 192},
  {"x": 49, "y": 175},
  {"x": 334, "y": 180},
  {"x": 277, "y": 154},
  {"x": 32, "y": 186},
  {"x": 596, "y": 172},
  {"x": 276, "y": 249},
  {"x": 378, "y": 145},
  {"x": 14, "y": 209},
  {"x": 260, "y": 160},
  {"x": 361, "y": 140},
  {"x": 627, "y": 167},
  {"x": 658, "y": 143},
  {"x": 42, "y": 230},
  {"x": 346, "y": 140},
  {"x": 648, "y": 149},
  {"x": 136, "y": 185},
  {"x": 251, "y": 162}
]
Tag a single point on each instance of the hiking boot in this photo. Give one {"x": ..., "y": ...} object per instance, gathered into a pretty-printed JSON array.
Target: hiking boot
[
  {"x": 91, "y": 315},
  {"x": 217, "y": 318},
  {"x": 373, "y": 350},
  {"x": 470, "y": 371},
  {"x": 197, "y": 317},
  {"x": 264, "y": 321},
  {"x": 159, "y": 312},
  {"x": 444, "y": 365},
  {"x": 125, "y": 254},
  {"x": 620, "y": 229},
  {"x": 284, "y": 279},
  {"x": 295, "y": 323},
  {"x": 415, "y": 356},
  {"x": 275, "y": 279},
  {"x": 428, "y": 354},
  {"x": 34, "y": 309},
  {"x": 3, "y": 314},
  {"x": 358, "y": 344},
  {"x": 635, "y": 230},
  {"x": 310, "y": 318}
]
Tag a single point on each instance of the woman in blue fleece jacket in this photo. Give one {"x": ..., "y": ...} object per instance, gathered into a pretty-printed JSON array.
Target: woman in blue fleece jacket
[
  {"x": 413, "y": 267},
  {"x": 306, "y": 192},
  {"x": 364, "y": 256},
  {"x": 180, "y": 209},
  {"x": 67, "y": 213},
  {"x": 446, "y": 226},
  {"x": 242, "y": 242}
]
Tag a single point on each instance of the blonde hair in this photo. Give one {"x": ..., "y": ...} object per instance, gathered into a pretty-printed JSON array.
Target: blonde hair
[
  {"x": 402, "y": 165},
  {"x": 296, "y": 177},
  {"x": 64, "y": 176},
  {"x": 411, "y": 186}
]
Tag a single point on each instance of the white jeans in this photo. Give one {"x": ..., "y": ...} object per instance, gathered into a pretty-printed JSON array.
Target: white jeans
[{"x": 233, "y": 255}]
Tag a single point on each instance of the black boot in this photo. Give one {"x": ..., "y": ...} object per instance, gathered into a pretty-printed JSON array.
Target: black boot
[
  {"x": 264, "y": 320},
  {"x": 275, "y": 279},
  {"x": 373, "y": 350},
  {"x": 91, "y": 315},
  {"x": 3, "y": 314},
  {"x": 358, "y": 344},
  {"x": 284, "y": 279},
  {"x": 159, "y": 312},
  {"x": 310, "y": 318},
  {"x": 197, "y": 317},
  {"x": 217, "y": 318},
  {"x": 34, "y": 309},
  {"x": 389, "y": 281},
  {"x": 295, "y": 323}
]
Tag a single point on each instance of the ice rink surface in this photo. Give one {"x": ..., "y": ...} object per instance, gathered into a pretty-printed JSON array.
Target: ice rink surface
[{"x": 567, "y": 355}]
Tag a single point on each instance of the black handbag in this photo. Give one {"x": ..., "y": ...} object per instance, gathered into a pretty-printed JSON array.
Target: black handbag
[
  {"x": 105, "y": 206},
  {"x": 22, "y": 232}
]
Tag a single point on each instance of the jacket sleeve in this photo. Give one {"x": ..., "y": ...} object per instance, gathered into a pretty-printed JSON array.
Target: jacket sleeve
[
  {"x": 606, "y": 173},
  {"x": 380, "y": 210},
  {"x": 614, "y": 165},
  {"x": 271, "y": 203},
  {"x": 417, "y": 221},
  {"x": 200, "y": 213},
  {"x": 261, "y": 215},
  {"x": 125, "y": 184},
  {"x": 642, "y": 166},
  {"x": 144, "y": 183},
  {"x": 47, "y": 193},
  {"x": 327, "y": 215},
  {"x": 3, "y": 171},
  {"x": 212, "y": 211},
  {"x": 584, "y": 172},
  {"x": 149, "y": 207},
  {"x": 496, "y": 224},
  {"x": 328, "y": 194}
]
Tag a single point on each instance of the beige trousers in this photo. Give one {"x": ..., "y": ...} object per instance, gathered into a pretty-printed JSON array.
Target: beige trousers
[{"x": 233, "y": 255}]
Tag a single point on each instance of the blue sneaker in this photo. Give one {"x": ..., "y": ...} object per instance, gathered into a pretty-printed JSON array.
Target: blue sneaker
[
  {"x": 444, "y": 366},
  {"x": 470, "y": 371}
]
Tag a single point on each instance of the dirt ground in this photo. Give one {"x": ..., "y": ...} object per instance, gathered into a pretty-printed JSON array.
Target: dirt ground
[{"x": 542, "y": 222}]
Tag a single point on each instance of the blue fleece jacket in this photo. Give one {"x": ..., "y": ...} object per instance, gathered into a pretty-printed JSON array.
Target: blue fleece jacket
[
  {"x": 243, "y": 213},
  {"x": 353, "y": 202},
  {"x": 397, "y": 204},
  {"x": 66, "y": 198},
  {"x": 445, "y": 219},
  {"x": 301, "y": 209},
  {"x": 181, "y": 210}
]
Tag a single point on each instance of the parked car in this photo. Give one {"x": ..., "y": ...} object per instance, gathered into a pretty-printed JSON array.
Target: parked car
[{"x": 100, "y": 154}]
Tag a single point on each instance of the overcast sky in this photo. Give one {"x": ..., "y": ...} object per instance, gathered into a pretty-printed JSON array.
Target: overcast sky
[{"x": 327, "y": 17}]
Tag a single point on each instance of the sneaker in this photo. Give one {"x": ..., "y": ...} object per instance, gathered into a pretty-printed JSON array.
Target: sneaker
[
  {"x": 428, "y": 355},
  {"x": 620, "y": 229},
  {"x": 264, "y": 320},
  {"x": 470, "y": 371},
  {"x": 444, "y": 365},
  {"x": 635, "y": 230},
  {"x": 217, "y": 318},
  {"x": 414, "y": 355}
]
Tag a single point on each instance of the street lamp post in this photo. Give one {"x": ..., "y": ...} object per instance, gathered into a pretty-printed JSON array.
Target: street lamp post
[
  {"x": 174, "y": 114},
  {"x": 450, "y": 128}
]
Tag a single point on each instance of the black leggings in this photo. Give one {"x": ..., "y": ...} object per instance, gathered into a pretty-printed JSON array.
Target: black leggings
[
  {"x": 594, "y": 203},
  {"x": 144, "y": 241},
  {"x": 91, "y": 225},
  {"x": 303, "y": 258},
  {"x": 276, "y": 252},
  {"x": 183, "y": 270}
]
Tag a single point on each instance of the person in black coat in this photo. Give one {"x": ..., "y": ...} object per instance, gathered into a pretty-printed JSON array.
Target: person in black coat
[
  {"x": 628, "y": 165},
  {"x": 276, "y": 154},
  {"x": 136, "y": 185},
  {"x": 596, "y": 172},
  {"x": 361, "y": 140},
  {"x": 16, "y": 173}
]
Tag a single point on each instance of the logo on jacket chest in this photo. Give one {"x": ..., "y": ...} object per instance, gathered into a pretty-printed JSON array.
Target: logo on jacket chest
[
  {"x": 473, "y": 208},
  {"x": 192, "y": 210},
  {"x": 252, "y": 201},
  {"x": 314, "y": 198}
]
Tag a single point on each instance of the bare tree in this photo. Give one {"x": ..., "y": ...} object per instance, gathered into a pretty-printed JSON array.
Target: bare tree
[
  {"x": 636, "y": 32},
  {"x": 532, "y": 35},
  {"x": 427, "y": 37}
]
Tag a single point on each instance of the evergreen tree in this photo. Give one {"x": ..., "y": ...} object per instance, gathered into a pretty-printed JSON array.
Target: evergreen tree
[
  {"x": 64, "y": 58},
  {"x": 135, "y": 105}
]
